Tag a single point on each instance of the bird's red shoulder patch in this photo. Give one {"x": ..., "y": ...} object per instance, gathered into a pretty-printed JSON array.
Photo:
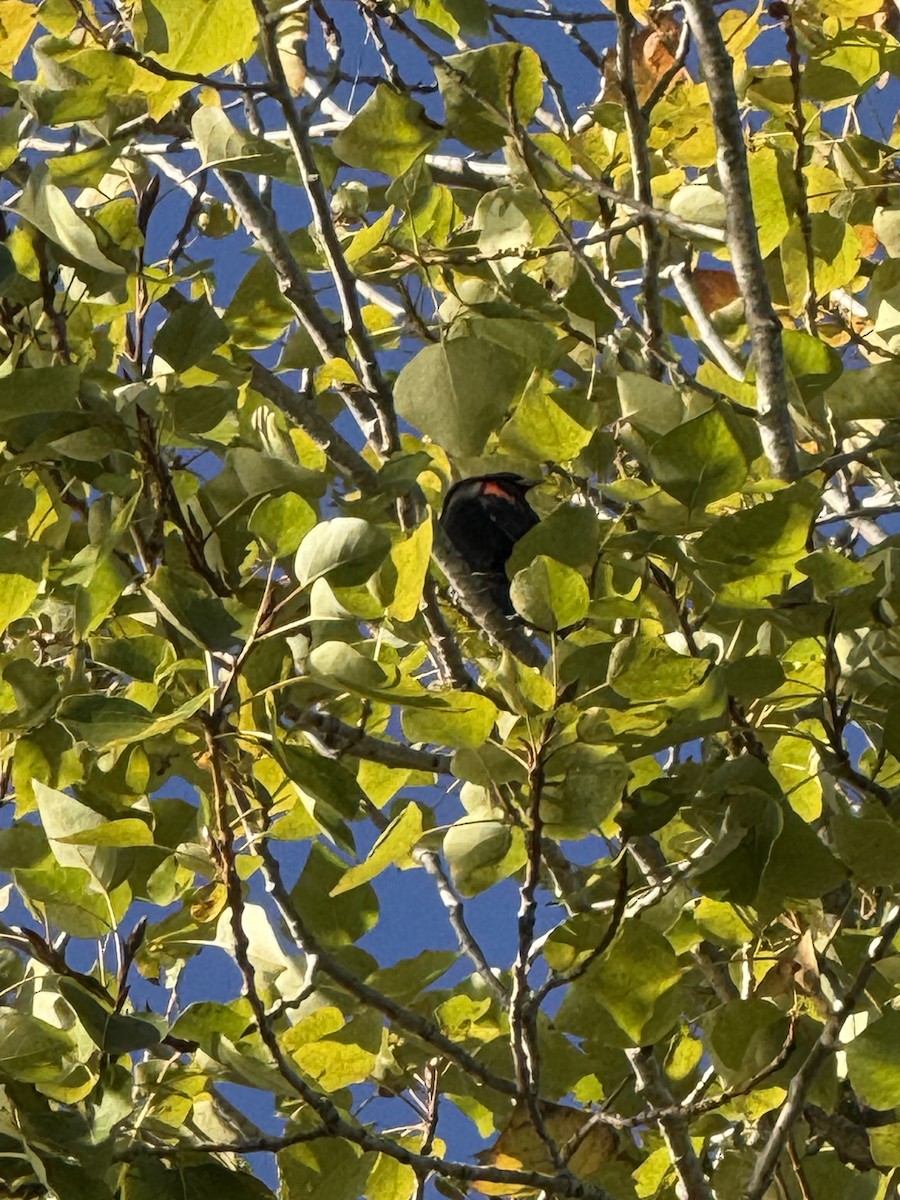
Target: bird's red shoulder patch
[{"x": 492, "y": 488}]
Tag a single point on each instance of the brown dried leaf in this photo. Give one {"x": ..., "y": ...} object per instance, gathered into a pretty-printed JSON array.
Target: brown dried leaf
[
  {"x": 716, "y": 289},
  {"x": 868, "y": 242},
  {"x": 886, "y": 20},
  {"x": 653, "y": 50},
  {"x": 520, "y": 1148}
]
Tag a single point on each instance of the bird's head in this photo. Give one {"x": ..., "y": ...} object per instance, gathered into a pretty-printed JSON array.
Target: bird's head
[{"x": 506, "y": 485}]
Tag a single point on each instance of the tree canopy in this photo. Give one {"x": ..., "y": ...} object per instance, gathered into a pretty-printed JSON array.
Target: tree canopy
[{"x": 272, "y": 277}]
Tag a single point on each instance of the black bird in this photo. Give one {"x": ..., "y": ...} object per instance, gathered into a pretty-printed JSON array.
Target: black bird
[{"x": 484, "y": 517}]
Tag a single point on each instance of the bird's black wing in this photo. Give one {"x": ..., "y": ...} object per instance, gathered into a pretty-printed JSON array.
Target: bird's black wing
[{"x": 511, "y": 514}]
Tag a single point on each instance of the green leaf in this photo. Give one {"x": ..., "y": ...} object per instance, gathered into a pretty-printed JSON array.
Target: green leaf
[
  {"x": 402, "y": 578},
  {"x": 334, "y": 1066},
  {"x": 18, "y": 27},
  {"x": 341, "y": 666},
  {"x": 21, "y": 575},
  {"x": 800, "y": 866},
  {"x": 390, "y": 1179},
  {"x": 751, "y": 678},
  {"x": 869, "y": 846},
  {"x": 768, "y": 536},
  {"x": 832, "y": 572},
  {"x": 584, "y": 784},
  {"x": 96, "y": 597},
  {"x": 258, "y": 312},
  {"x": 699, "y": 202},
  {"x": 700, "y": 461},
  {"x": 886, "y": 224},
  {"x": 481, "y": 853},
  {"x": 339, "y": 917},
  {"x": 138, "y": 657},
  {"x": 40, "y": 389},
  {"x": 836, "y": 257},
  {"x": 630, "y": 980},
  {"x": 866, "y": 394},
  {"x": 222, "y": 145},
  {"x": 570, "y": 534},
  {"x": 649, "y": 405},
  {"x": 388, "y": 134},
  {"x": 106, "y": 722},
  {"x": 196, "y": 410},
  {"x": 844, "y": 66},
  {"x": 111, "y": 1032},
  {"x": 191, "y": 333},
  {"x": 151, "y": 1180},
  {"x": 47, "y": 209},
  {"x": 544, "y": 427},
  {"x": 192, "y": 610},
  {"x": 885, "y": 1144},
  {"x": 452, "y": 17},
  {"x": 548, "y": 594},
  {"x": 873, "y": 1060},
  {"x": 328, "y": 1168},
  {"x": 198, "y": 39},
  {"x": 464, "y": 719},
  {"x": 814, "y": 365},
  {"x": 63, "y": 816},
  {"x": 31, "y": 1049},
  {"x": 457, "y": 392},
  {"x": 733, "y": 869},
  {"x": 282, "y": 522},
  {"x": 206, "y": 1020},
  {"x": 393, "y": 848},
  {"x": 743, "y": 1036},
  {"x": 771, "y": 187},
  {"x": 476, "y": 89},
  {"x": 130, "y": 831},
  {"x": 345, "y": 551},
  {"x": 644, "y": 668}
]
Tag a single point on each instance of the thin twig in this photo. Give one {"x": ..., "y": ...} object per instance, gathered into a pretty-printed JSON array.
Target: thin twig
[
  {"x": 125, "y": 50},
  {"x": 675, "y": 68},
  {"x": 651, "y": 240},
  {"x": 522, "y": 1013},
  {"x": 798, "y": 126},
  {"x": 332, "y": 1123},
  {"x": 384, "y": 430},
  {"x": 681, "y": 278}
]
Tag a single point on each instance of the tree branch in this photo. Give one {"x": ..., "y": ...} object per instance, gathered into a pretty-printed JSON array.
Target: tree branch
[
  {"x": 260, "y": 223},
  {"x": 776, "y": 429},
  {"x": 345, "y": 739},
  {"x": 475, "y": 601},
  {"x": 384, "y": 432},
  {"x": 301, "y": 410},
  {"x": 792, "y": 1108},
  {"x": 673, "y": 1125}
]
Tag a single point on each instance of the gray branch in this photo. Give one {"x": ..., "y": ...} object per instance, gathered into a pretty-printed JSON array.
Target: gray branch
[
  {"x": 776, "y": 430},
  {"x": 300, "y": 409},
  {"x": 673, "y": 1126},
  {"x": 475, "y": 601},
  {"x": 342, "y": 738},
  {"x": 325, "y": 335},
  {"x": 792, "y": 1108}
]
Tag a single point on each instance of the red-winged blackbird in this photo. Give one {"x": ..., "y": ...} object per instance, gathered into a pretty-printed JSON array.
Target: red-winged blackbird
[{"x": 484, "y": 517}]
